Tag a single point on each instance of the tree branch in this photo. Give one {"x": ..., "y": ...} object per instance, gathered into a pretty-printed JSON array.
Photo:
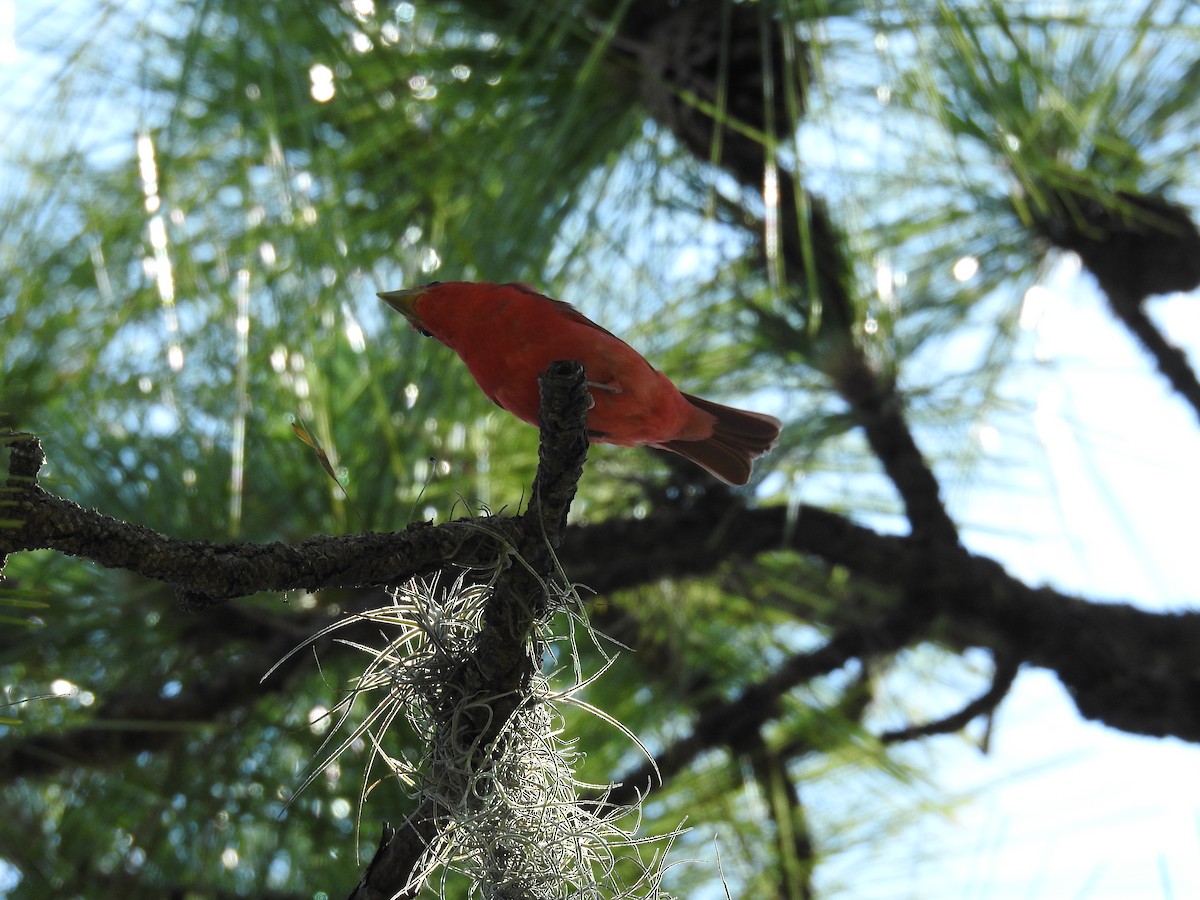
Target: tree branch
[
  {"x": 684, "y": 54},
  {"x": 1130, "y": 668},
  {"x": 133, "y": 718},
  {"x": 1172, "y": 362},
  {"x": 204, "y": 573},
  {"x": 735, "y": 723},
  {"x": 792, "y": 834},
  {"x": 493, "y": 682}
]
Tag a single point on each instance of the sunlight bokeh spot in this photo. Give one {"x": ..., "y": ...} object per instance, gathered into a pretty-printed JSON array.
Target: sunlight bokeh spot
[
  {"x": 321, "y": 83},
  {"x": 965, "y": 268},
  {"x": 147, "y": 167},
  {"x": 1033, "y": 306},
  {"x": 158, "y": 233},
  {"x": 354, "y": 334},
  {"x": 885, "y": 282},
  {"x": 318, "y": 719},
  {"x": 988, "y": 437}
]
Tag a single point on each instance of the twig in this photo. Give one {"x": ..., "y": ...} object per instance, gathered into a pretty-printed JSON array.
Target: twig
[
  {"x": 735, "y": 723},
  {"x": 1170, "y": 360},
  {"x": 1002, "y": 680}
]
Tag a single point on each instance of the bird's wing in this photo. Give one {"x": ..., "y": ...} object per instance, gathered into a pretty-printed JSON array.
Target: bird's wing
[{"x": 563, "y": 307}]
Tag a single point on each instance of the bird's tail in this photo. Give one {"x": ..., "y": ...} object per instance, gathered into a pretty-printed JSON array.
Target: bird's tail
[{"x": 739, "y": 438}]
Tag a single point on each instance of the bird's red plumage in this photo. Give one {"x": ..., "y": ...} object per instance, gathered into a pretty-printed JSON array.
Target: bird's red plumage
[{"x": 508, "y": 334}]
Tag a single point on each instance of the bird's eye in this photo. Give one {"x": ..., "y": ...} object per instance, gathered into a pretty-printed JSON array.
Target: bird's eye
[
  {"x": 423, "y": 332},
  {"x": 433, "y": 284}
]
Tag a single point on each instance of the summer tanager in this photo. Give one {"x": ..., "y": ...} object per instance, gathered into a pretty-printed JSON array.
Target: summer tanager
[{"x": 508, "y": 334}]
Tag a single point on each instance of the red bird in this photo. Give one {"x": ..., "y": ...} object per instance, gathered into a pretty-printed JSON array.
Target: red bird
[{"x": 508, "y": 334}]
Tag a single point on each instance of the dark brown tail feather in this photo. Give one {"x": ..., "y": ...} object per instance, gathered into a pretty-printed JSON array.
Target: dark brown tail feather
[{"x": 740, "y": 437}]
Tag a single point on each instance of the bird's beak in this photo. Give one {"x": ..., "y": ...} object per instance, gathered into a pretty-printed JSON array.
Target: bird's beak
[{"x": 404, "y": 302}]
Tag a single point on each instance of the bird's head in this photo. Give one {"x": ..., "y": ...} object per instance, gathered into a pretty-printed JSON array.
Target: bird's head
[{"x": 405, "y": 302}]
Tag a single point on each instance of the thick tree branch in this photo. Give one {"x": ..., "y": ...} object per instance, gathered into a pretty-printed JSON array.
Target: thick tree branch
[
  {"x": 561, "y": 453},
  {"x": 492, "y": 682},
  {"x": 204, "y": 573},
  {"x": 1130, "y": 668}
]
